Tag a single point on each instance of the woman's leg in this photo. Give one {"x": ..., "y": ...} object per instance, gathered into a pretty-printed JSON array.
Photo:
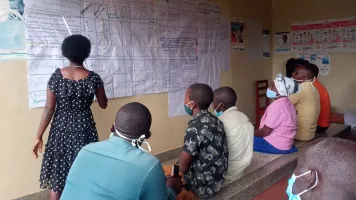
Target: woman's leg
[{"x": 54, "y": 195}]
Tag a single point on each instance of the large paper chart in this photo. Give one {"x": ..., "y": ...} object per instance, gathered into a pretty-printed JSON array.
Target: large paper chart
[
  {"x": 138, "y": 46},
  {"x": 324, "y": 36}
]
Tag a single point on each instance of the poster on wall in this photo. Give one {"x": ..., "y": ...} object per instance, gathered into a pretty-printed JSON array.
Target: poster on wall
[
  {"x": 12, "y": 26},
  {"x": 321, "y": 61},
  {"x": 266, "y": 38},
  {"x": 324, "y": 36},
  {"x": 237, "y": 35},
  {"x": 282, "y": 42}
]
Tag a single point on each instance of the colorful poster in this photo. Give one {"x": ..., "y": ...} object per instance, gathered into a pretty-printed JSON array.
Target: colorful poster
[
  {"x": 12, "y": 26},
  {"x": 282, "y": 42},
  {"x": 348, "y": 32},
  {"x": 323, "y": 62},
  {"x": 324, "y": 36},
  {"x": 237, "y": 35}
]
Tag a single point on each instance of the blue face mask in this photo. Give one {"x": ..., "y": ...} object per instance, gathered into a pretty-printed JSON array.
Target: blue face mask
[
  {"x": 218, "y": 114},
  {"x": 271, "y": 94},
  {"x": 291, "y": 182},
  {"x": 187, "y": 109}
]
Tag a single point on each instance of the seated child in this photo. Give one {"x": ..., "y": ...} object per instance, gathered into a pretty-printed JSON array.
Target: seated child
[
  {"x": 279, "y": 123},
  {"x": 239, "y": 132},
  {"x": 204, "y": 159}
]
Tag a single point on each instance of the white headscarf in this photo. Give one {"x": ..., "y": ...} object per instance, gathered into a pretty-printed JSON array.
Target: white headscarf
[{"x": 285, "y": 86}]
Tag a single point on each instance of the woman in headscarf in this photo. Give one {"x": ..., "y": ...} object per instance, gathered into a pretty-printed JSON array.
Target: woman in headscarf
[{"x": 279, "y": 122}]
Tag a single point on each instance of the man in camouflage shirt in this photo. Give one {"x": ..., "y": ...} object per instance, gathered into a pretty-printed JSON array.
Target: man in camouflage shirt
[{"x": 204, "y": 159}]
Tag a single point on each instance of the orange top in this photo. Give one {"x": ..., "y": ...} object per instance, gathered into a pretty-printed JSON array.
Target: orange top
[{"x": 325, "y": 105}]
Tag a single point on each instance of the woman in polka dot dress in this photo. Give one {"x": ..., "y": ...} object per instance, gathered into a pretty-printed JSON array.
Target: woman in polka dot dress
[{"x": 70, "y": 94}]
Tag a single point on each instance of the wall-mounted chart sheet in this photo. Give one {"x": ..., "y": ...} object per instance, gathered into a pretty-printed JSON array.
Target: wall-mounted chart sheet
[
  {"x": 324, "y": 36},
  {"x": 323, "y": 62},
  {"x": 138, "y": 46},
  {"x": 213, "y": 52}
]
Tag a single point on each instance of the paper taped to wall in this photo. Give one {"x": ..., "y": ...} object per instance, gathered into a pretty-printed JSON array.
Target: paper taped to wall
[{"x": 323, "y": 62}]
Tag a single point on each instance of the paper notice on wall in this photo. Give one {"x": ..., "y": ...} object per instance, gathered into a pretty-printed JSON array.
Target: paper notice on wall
[
  {"x": 348, "y": 32},
  {"x": 266, "y": 43},
  {"x": 225, "y": 45},
  {"x": 213, "y": 45},
  {"x": 324, "y": 36},
  {"x": 209, "y": 73},
  {"x": 138, "y": 47},
  {"x": 237, "y": 35},
  {"x": 282, "y": 43},
  {"x": 323, "y": 62},
  {"x": 12, "y": 26}
]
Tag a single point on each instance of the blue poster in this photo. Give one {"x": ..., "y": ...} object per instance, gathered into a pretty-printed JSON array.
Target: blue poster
[{"x": 12, "y": 34}]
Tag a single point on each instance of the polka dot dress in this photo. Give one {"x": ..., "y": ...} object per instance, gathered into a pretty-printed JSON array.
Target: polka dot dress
[{"x": 72, "y": 127}]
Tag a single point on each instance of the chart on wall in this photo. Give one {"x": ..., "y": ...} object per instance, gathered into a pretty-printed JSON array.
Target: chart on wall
[
  {"x": 138, "y": 46},
  {"x": 324, "y": 36}
]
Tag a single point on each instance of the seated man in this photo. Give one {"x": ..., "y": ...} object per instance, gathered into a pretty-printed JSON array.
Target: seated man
[
  {"x": 325, "y": 171},
  {"x": 119, "y": 168},
  {"x": 307, "y": 102},
  {"x": 279, "y": 122},
  {"x": 325, "y": 105},
  {"x": 204, "y": 158},
  {"x": 239, "y": 132}
]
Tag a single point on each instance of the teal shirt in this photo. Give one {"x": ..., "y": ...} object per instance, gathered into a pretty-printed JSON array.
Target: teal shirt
[{"x": 113, "y": 170}]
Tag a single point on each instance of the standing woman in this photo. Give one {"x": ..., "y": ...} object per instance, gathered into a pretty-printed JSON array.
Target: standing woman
[{"x": 70, "y": 94}]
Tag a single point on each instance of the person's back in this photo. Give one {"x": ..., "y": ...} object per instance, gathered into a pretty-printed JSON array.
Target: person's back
[
  {"x": 325, "y": 105},
  {"x": 306, "y": 102},
  {"x": 204, "y": 159},
  {"x": 119, "y": 168},
  {"x": 111, "y": 169},
  {"x": 278, "y": 125},
  {"x": 239, "y": 132}
]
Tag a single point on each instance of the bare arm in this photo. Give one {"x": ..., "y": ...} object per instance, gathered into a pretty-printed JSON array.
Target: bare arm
[
  {"x": 47, "y": 114},
  {"x": 184, "y": 162},
  {"x": 101, "y": 97},
  {"x": 263, "y": 132}
]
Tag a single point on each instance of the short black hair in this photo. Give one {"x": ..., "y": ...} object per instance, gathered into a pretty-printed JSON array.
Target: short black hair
[
  {"x": 133, "y": 120},
  {"x": 292, "y": 64},
  {"x": 201, "y": 94},
  {"x": 334, "y": 157},
  {"x": 76, "y": 48},
  {"x": 311, "y": 69},
  {"x": 315, "y": 70},
  {"x": 225, "y": 95}
]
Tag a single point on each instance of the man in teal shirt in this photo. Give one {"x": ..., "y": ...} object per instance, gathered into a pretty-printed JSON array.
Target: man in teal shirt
[{"x": 119, "y": 168}]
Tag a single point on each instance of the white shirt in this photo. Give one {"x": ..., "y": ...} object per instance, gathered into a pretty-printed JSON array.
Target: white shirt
[{"x": 239, "y": 132}]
